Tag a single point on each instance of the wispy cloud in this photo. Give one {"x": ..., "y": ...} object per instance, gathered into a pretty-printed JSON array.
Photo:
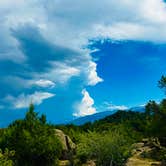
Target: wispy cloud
[
  {"x": 23, "y": 101},
  {"x": 43, "y": 83},
  {"x": 110, "y": 106}
]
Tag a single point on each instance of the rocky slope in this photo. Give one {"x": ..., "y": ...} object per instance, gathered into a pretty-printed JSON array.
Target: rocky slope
[{"x": 142, "y": 154}]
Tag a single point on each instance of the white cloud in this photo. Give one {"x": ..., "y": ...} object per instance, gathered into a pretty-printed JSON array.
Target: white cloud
[
  {"x": 26, "y": 83},
  {"x": 110, "y": 106},
  {"x": 71, "y": 23},
  {"x": 92, "y": 76},
  {"x": 61, "y": 72},
  {"x": 121, "y": 19},
  {"x": 117, "y": 107},
  {"x": 23, "y": 101},
  {"x": 43, "y": 83},
  {"x": 86, "y": 106}
]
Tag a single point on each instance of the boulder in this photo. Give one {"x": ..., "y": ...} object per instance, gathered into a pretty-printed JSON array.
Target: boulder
[
  {"x": 142, "y": 154},
  {"x": 68, "y": 146},
  {"x": 67, "y": 143},
  {"x": 145, "y": 140}
]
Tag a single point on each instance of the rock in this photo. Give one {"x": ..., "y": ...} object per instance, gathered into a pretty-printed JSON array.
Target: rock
[
  {"x": 67, "y": 143},
  {"x": 145, "y": 140},
  {"x": 138, "y": 145},
  {"x": 68, "y": 147},
  {"x": 141, "y": 155},
  {"x": 154, "y": 142}
]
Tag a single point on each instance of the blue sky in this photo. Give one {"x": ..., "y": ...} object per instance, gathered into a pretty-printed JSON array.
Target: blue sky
[
  {"x": 71, "y": 60},
  {"x": 131, "y": 72}
]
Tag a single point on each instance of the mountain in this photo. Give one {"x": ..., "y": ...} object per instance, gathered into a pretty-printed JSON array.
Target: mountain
[
  {"x": 92, "y": 118},
  {"x": 102, "y": 115}
]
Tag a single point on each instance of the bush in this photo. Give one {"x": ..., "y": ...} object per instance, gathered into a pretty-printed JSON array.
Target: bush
[
  {"x": 6, "y": 158},
  {"x": 105, "y": 149}
]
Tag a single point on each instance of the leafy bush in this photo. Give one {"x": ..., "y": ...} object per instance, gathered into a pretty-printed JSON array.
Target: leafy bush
[
  {"x": 5, "y": 158},
  {"x": 105, "y": 148}
]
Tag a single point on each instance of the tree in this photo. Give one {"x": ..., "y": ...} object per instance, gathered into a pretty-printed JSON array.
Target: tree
[
  {"x": 156, "y": 115},
  {"x": 31, "y": 115},
  {"x": 43, "y": 119},
  {"x": 152, "y": 108},
  {"x": 162, "y": 83}
]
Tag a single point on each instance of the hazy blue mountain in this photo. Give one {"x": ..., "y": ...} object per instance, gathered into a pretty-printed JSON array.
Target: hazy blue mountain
[
  {"x": 101, "y": 115},
  {"x": 92, "y": 118}
]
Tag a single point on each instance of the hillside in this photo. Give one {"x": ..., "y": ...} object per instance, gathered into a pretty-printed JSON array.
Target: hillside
[
  {"x": 101, "y": 115},
  {"x": 92, "y": 118}
]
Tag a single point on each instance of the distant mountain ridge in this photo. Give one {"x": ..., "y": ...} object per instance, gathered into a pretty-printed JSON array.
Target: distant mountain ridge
[{"x": 102, "y": 115}]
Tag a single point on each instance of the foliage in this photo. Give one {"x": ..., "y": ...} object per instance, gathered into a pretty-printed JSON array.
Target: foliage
[
  {"x": 156, "y": 114},
  {"x": 162, "y": 83},
  {"x": 106, "y": 149},
  {"x": 6, "y": 157},
  {"x": 34, "y": 143}
]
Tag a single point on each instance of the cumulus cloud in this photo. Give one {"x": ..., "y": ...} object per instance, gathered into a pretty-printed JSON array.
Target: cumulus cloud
[
  {"x": 86, "y": 106},
  {"x": 93, "y": 78},
  {"x": 23, "y": 101}
]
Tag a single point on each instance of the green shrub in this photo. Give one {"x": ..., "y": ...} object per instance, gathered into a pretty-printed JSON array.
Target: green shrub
[
  {"x": 6, "y": 158},
  {"x": 105, "y": 148}
]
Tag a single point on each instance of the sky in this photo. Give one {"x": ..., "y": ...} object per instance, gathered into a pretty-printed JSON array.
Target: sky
[{"x": 76, "y": 58}]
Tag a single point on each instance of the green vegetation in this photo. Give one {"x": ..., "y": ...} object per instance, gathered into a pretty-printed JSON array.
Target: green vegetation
[
  {"x": 106, "y": 149},
  {"x": 6, "y": 158},
  {"x": 33, "y": 142}
]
